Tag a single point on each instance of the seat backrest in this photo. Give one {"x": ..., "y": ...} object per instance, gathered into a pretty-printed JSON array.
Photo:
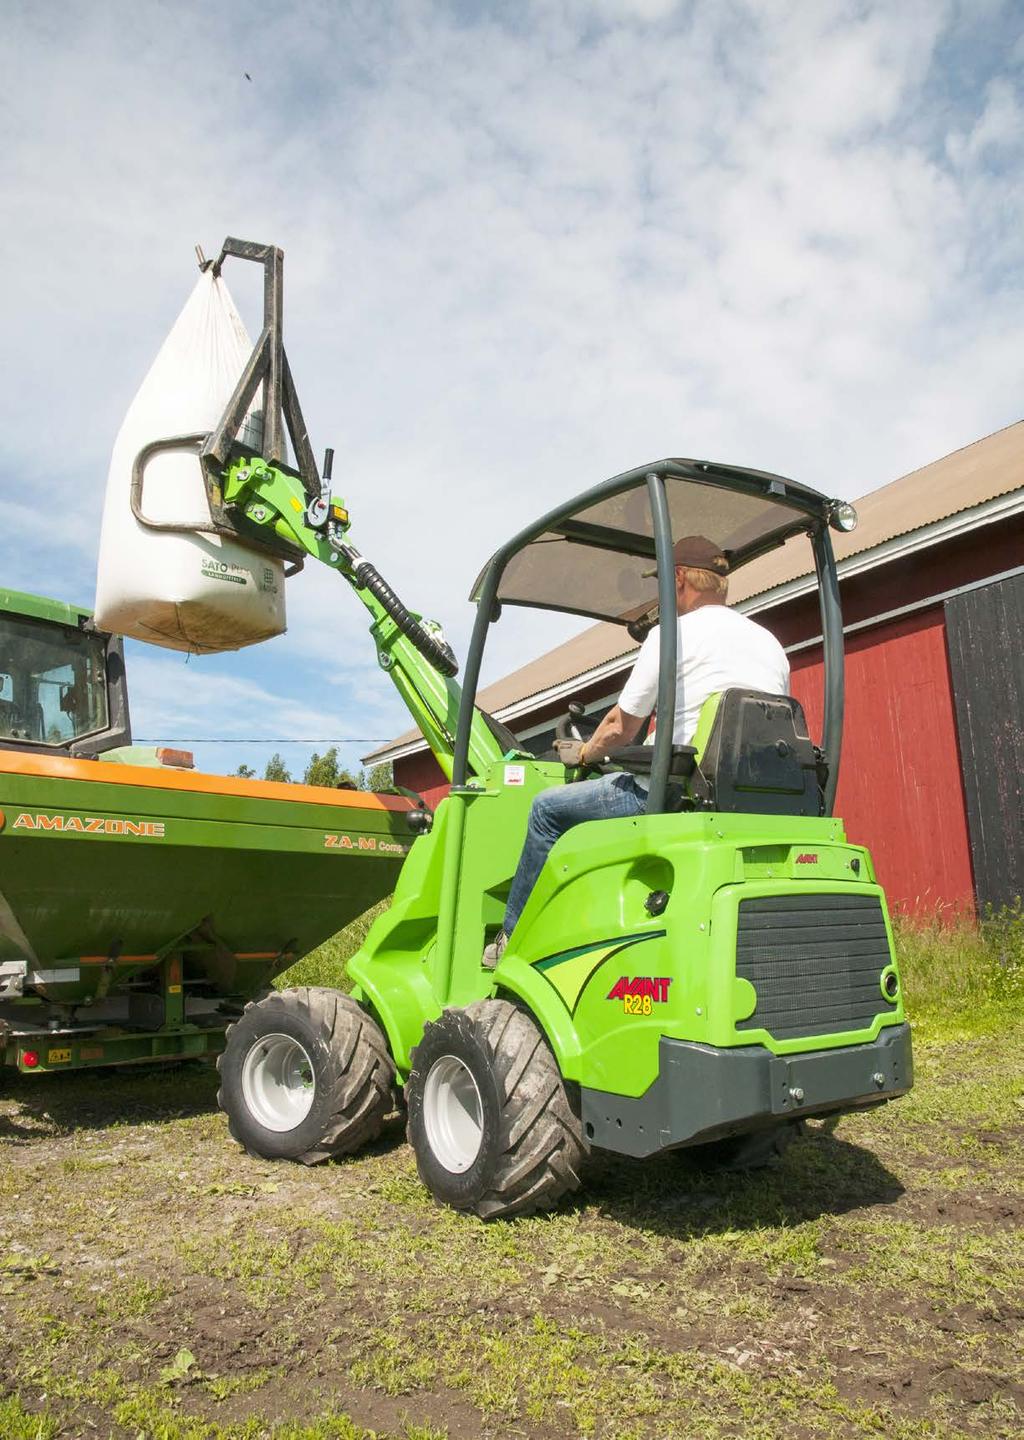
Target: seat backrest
[{"x": 755, "y": 753}]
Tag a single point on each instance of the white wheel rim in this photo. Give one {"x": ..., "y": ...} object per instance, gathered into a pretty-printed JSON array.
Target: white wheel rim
[
  {"x": 453, "y": 1113},
  {"x": 278, "y": 1084}
]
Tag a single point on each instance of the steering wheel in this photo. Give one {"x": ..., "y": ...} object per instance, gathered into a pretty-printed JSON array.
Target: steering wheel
[
  {"x": 568, "y": 728},
  {"x": 574, "y": 725}
]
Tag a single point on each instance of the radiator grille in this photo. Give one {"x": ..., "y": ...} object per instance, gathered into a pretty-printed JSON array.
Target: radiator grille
[{"x": 815, "y": 962}]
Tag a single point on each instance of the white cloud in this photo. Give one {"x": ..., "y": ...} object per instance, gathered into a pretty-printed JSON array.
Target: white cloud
[
  {"x": 525, "y": 250},
  {"x": 997, "y": 129},
  {"x": 200, "y": 698}
]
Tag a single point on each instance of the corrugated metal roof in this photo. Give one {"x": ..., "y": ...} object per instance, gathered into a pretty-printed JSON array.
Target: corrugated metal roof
[
  {"x": 982, "y": 471},
  {"x": 954, "y": 485}
]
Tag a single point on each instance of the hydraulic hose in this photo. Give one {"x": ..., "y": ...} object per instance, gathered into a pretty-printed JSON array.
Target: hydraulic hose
[{"x": 438, "y": 652}]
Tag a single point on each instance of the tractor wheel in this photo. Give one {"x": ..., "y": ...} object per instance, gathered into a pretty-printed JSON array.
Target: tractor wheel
[
  {"x": 490, "y": 1119},
  {"x": 305, "y": 1075},
  {"x": 756, "y": 1150}
]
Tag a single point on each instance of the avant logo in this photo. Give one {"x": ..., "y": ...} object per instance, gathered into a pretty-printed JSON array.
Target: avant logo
[
  {"x": 807, "y": 859},
  {"x": 640, "y": 995},
  {"x": 90, "y": 825}
]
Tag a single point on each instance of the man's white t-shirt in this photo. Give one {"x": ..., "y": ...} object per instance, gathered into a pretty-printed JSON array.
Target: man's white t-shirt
[{"x": 716, "y": 649}]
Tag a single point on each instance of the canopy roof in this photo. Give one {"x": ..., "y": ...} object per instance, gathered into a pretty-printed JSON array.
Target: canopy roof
[{"x": 589, "y": 557}]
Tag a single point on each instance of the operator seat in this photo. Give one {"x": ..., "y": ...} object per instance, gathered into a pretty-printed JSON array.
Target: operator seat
[
  {"x": 751, "y": 755},
  {"x": 755, "y": 756}
]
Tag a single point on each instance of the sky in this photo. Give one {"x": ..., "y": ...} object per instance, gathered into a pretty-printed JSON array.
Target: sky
[{"x": 528, "y": 245}]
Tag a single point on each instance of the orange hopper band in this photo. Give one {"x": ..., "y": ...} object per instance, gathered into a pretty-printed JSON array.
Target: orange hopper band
[{"x": 97, "y": 771}]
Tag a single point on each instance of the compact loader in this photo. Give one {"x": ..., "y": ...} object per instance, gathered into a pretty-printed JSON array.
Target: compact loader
[{"x": 715, "y": 970}]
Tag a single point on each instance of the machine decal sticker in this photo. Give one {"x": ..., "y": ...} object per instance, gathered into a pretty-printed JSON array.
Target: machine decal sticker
[
  {"x": 365, "y": 842},
  {"x": 90, "y": 825},
  {"x": 570, "y": 971},
  {"x": 640, "y": 995}
]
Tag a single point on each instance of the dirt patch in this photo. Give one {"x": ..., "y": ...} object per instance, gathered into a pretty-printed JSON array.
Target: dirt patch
[{"x": 155, "y": 1280}]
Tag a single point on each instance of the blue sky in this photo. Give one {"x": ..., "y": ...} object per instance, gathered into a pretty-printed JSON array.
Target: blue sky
[{"x": 527, "y": 245}]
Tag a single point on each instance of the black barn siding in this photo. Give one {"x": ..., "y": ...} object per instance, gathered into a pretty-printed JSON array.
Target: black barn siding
[{"x": 985, "y": 636}]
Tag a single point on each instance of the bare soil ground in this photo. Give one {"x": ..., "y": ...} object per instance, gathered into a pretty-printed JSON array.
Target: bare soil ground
[{"x": 156, "y": 1282}]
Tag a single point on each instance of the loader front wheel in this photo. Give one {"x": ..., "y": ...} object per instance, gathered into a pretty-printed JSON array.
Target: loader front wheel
[
  {"x": 490, "y": 1119},
  {"x": 305, "y": 1075}
]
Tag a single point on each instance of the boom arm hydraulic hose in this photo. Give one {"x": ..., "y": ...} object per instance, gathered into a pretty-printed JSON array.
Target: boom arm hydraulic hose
[{"x": 438, "y": 652}]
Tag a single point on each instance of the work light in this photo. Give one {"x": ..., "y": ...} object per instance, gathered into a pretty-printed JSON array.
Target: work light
[{"x": 843, "y": 517}]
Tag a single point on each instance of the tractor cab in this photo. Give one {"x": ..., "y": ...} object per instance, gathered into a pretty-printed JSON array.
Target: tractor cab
[{"x": 62, "y": 688}]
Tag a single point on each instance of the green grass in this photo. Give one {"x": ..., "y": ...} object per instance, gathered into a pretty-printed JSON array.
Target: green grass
[
  {"x": 156, "y": 1283},
  {"x": 962, "y": 976},
  {"x": 326, "y": 964}
]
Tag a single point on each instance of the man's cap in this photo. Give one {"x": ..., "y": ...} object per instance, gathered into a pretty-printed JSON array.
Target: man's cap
[{"x": 697, "y": 552}]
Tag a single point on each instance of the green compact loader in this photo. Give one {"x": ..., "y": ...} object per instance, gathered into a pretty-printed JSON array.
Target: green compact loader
[{"x": 714, "y": 970}]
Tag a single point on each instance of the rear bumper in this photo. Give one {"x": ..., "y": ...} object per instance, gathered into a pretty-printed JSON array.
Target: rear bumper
[{"x": 702, "y": 1092}]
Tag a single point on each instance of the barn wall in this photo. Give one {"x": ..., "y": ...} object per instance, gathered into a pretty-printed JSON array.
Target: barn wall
[
  {"x": 984, "y": 629},
  {"x": 900, "y": 789},
  {"x": 962, "y": 560},
  {"x": 423, "y": 774}
]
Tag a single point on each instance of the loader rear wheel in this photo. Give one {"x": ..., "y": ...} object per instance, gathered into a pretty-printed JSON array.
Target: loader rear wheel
[
  {"x": 490, "y": 1118},
  {"x": 305, "y": 1075}
]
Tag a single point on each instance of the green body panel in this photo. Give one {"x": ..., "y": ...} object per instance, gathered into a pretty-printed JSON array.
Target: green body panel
[
  {"x": 38, "y": 607},
  {"x": 585, "y": 927},
  {"x": 270, "y": 878},
  {"x": 401, "y": 969}
]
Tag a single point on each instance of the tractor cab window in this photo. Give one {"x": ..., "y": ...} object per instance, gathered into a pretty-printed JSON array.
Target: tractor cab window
[{"x": 52, "y": 682}]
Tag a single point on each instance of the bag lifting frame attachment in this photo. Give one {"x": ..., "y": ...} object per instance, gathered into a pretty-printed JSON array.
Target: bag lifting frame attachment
[{"x": 268, "y": 368}]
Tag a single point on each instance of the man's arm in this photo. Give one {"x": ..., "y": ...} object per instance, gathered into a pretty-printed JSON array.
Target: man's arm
[{"x": 616, "y": 729}]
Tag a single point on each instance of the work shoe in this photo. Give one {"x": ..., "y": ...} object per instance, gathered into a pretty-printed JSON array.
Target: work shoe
[{"x": 494, "y": 951}]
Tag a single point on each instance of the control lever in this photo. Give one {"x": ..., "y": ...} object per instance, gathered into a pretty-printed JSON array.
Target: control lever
[{"x": 318, "y": 509}]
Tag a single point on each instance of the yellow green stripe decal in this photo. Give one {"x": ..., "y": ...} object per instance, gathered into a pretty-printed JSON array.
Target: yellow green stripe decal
[{"x": 570, "y": 971}]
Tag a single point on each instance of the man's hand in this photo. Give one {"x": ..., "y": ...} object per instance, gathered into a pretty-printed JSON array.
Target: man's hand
[{"x": 570, "y": 752}]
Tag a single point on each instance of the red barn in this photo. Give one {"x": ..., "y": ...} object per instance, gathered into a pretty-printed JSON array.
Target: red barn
[{"x": 932, "y": 585}]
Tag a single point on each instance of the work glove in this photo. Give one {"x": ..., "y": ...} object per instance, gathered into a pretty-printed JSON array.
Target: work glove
[{"x": 570, "y": 752}]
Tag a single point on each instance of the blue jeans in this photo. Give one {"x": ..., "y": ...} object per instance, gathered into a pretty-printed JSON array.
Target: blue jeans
[{"x": 612, "y": 797}]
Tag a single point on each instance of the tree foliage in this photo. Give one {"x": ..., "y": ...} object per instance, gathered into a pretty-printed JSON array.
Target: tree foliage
[
  {"x": 277, "y": 769},
  {"x": 325, "y": 770},
  {"x": 378, "y": 777}
]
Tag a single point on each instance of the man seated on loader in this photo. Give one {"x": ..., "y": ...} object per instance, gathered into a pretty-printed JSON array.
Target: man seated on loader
[{"x": 717, "y": 649}]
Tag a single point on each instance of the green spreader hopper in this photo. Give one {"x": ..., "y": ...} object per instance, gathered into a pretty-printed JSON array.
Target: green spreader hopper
[{"x": 143, "y": 904}]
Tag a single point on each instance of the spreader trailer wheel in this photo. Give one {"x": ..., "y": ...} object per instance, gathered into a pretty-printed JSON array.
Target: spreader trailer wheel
[
  {"x": 305, "y": 1075},
  {"x": 490, "y": 1119}
]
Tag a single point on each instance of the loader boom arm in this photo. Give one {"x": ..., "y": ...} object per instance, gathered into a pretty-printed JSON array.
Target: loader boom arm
[{"x": 410, "y": 649}]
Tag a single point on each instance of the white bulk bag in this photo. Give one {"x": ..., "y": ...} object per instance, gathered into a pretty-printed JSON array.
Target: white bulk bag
[{"x": 198, "y": 592}]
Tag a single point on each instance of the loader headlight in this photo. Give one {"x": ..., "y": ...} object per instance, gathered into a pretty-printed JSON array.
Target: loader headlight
[{"x": 843, "y": 516}]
